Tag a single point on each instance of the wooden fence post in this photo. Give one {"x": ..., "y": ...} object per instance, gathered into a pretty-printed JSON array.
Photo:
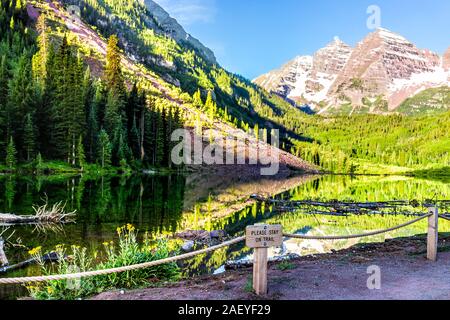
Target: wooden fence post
[
  {"x": 261, "y": 237},
  {"x": 260, "y": 271},
  {"x": 433, "y": 233}
]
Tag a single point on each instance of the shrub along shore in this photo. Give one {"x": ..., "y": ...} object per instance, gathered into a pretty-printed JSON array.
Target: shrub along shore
[{"x": 127, "y": 250}]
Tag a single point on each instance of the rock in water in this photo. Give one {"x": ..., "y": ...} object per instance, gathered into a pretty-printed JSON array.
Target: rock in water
[
  {"x": 217, "y": 234},
  {"x": 196, "y": 235},
  {"x": 188, "y": 246}
]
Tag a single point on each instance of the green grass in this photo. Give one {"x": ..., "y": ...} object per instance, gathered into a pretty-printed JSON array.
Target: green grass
[
  {"x": 286, "y": 265},
  {"x": 366, "y": 167},
  {"x": 57, "y": 168},
  {"x": 249, "y": 285}
]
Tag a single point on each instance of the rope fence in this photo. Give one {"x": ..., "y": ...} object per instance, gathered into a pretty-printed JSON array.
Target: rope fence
[
  {"x": 364, "y": 235},
  {"x": 145, "y": 265},
  {"x": 36, "y": 279}
]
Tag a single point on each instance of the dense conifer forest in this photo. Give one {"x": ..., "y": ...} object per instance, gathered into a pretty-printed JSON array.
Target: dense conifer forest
[{"x": 52, "y": 108}]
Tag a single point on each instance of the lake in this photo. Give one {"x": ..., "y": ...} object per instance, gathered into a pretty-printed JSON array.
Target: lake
[{"x": 163, "y": 205}]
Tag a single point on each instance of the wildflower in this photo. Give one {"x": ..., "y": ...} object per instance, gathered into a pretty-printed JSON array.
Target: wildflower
[
  {"x": 35, "y": 251},
  {"x": 119, "y": 230},
  {"x": 50, "y": 290},
  {"x": 130, "y": 228},
  {"x": 106, "y": 244}
]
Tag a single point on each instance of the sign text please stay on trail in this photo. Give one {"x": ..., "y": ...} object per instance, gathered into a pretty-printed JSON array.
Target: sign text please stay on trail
[{"x": 264, "y": 236}]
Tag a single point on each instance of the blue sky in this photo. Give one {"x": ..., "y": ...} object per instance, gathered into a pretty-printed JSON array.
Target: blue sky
[{"x": 251, "y": 37}]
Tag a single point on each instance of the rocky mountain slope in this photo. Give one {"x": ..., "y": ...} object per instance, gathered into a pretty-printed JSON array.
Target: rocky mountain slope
[
  {"x": 376, "y": 76},
  {"x": 173, "y": 29},
  {"x": 143, "y": 38},
  {"x": 92, "y": 48},
  {"x": 446, "y": 60}
]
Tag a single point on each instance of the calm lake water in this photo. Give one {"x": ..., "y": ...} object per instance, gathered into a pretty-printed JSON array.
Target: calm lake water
[{"x": 157, "y": 204}]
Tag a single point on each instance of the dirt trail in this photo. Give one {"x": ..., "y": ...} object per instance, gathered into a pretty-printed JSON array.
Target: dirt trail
[{"x": 405, "y": 275}]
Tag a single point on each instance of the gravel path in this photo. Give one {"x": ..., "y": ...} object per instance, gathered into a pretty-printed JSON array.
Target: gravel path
[{"x": 405, "y": 275}]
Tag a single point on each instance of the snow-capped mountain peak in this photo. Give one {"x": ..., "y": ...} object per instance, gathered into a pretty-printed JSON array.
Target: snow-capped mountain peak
[{"x": 384, "y": 66}]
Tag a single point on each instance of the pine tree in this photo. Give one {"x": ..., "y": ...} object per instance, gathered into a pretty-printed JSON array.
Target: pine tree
[
  {"x": 104, "y": 149},
  {"x": 210, "y": 106},
  {"x": 88, "y": 91},
  {"x": 132, "y": 107},
  {"x": 39, "y": 163},
  {"x": 11, "y": 155},
  {"x": 76, "y": 111},
  {"x": 59, "y": 132},
  {"x": 3, "y": 80},
  {"x": 21, "y": 97},
  {"x": 45, "y": 111},
  {"x": 41, "y": 57},
  {"x": 112, "y": 120},
  {"x": 167, "y": 132},
  {"x": 3, "y": 101},
  {"x": 141, "y": 115},
  {"x": 99, "y": 103},
  {"x": 81, "y": 159},
  {"x": 149, "y": 141},
  {"x": 113, "y": 71},
  {"x": 69, "y": 114},
  {"x": 91, "y": 134},
  {"x": 177, "y": 123},
  {"x": 29, "y": 137},
  {"x": 134, "y": 140},
  {"x": 121, "y": 151},
  {"x": 160, "y": 120},
  {"x": 197, "y": 99},
  {"x": 115, "y": 121}
]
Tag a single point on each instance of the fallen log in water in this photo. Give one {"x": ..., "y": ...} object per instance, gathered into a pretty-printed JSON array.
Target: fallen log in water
[
  {"x": 50, "y": 257},
  {"x": 333, "y": 203},
  {"x": 43, "y": 214},
  {"x": 7, "y": 219},
  {"x": 344, "y": 208}
]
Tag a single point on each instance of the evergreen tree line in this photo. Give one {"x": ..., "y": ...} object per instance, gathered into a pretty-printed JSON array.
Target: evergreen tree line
[{"x": 52, "y": 108}]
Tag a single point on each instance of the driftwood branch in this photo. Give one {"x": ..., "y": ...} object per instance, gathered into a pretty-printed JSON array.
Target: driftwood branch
[
  {"x": 3, "y": 259},
  {"x": 50, "y": 257}
]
